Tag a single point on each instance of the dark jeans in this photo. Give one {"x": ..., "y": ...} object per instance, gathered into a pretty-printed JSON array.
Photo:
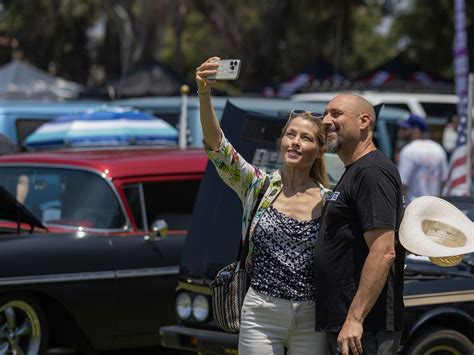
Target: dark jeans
[{"x": 373, "y": 343}]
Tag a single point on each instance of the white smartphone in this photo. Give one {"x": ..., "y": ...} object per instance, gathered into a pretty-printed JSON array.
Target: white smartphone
[{"x": 229, "y": 69}]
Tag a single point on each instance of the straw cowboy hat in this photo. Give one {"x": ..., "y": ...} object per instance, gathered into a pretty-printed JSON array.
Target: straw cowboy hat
[{"x": 435, "y": 228}]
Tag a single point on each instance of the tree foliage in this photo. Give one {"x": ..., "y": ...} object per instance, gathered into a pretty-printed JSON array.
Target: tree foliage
[
  {"x": 274, "y": 39},
  {"x": 51, "y": 33},
  {"x": 426, "y": 31}
]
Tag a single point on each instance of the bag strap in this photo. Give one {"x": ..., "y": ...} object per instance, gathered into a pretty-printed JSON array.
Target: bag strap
[{"x": 241, "y": 258}]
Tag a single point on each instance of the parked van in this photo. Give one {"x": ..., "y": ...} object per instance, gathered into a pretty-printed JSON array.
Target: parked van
[
  {"x": 20, "y": 117},
  {"x": 169, "y": 109},
  {"x": 433, "y": 105}
]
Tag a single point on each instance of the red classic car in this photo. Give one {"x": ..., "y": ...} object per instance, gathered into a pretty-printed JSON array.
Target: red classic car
[
  {"x": 106, "y": 191},
  {"x": 88, "y": 263}
]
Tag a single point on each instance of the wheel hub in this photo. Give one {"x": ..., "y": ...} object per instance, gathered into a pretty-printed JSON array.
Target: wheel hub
[
  {"x": 19, "y": 332},
  {"x": 12, "y": 337}
]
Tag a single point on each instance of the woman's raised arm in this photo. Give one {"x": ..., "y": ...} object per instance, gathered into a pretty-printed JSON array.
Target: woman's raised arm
[{"x": 211, "y": 129}]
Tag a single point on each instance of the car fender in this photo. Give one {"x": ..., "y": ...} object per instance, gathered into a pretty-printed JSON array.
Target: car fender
[{"x": 463, "y": 320}]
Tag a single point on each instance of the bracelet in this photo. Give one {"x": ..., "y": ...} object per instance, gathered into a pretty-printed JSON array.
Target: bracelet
[{"x": 201, "y": 93}]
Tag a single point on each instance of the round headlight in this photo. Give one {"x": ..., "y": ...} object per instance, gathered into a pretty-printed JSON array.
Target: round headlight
[
  {"x": 183, "y": 305},
  {"x": 200, "y": 308}
]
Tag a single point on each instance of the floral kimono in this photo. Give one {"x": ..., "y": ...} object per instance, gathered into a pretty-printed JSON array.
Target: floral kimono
[{"x": 247, "y": 181}]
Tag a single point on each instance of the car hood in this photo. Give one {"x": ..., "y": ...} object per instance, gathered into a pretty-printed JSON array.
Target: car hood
[
  {"x": 13, "y": 211},
  {"x": 215, "y": 232},
  {"x": 420, "y": 268}
]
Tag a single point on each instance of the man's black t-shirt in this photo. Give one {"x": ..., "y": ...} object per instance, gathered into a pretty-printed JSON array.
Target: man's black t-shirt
[{"x": 368, "y": 196}]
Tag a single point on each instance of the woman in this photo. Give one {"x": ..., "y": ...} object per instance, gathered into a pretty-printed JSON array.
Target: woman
[{"x": 278, "y": 310}]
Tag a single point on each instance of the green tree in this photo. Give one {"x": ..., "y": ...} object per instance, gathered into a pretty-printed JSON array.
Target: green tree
[
  {"x": 368, "y": 47},
  {"x": 51, "y": 33},
  {"x": 277, "y": 39},
  {"x": 426, "y": 31},
  {"x": 274, "y": 39}
]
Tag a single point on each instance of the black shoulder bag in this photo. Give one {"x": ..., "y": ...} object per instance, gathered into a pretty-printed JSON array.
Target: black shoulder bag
[{"x": 232, "y": 282}]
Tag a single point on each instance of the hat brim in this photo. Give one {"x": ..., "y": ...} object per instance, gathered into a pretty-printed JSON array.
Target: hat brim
[{"x": 434, "y": 227}]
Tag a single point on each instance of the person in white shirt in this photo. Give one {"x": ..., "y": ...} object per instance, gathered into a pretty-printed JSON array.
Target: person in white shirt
[{"x": 423, "y": 163}]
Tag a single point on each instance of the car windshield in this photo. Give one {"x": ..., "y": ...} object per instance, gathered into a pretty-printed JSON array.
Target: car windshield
[{"x": 66, "y": 197}]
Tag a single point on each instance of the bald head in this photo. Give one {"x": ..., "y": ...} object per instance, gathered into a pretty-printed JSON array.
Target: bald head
[
  {"x": 349, "y": 122},
  {"x": 358, "y": 105}
]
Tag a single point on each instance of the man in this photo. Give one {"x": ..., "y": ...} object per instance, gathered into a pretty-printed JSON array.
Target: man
[
  {"x": 423, "y": 163},
  {"x": 358, "y": 259}
]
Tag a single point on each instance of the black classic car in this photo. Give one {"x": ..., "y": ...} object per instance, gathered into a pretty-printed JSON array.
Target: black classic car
[
  {"x": 88, "y": 265},
  {"x": 439, "y": 301},
  {"x": 80, "y": 291}
]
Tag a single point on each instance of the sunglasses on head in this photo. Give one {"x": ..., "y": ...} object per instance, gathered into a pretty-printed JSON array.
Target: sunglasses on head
[{"x": 295, "y": 113}]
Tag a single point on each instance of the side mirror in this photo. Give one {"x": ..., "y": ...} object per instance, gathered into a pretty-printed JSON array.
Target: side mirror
[{"x": 159, "y": 228}]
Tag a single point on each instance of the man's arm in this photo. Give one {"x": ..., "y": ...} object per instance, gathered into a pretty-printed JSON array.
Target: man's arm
[{"x": 381, "y": 243}]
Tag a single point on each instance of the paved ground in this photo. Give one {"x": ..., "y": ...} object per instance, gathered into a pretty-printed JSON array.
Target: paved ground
[
  {"x": 141, "y": 351},
  {"x": 147, "y": 351}
]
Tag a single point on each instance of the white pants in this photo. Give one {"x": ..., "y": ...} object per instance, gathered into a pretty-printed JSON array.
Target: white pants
[{"x": 269, "y": 324}]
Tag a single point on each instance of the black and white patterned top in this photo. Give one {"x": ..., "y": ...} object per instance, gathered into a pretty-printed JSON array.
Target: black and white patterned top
[{"x": 283, "y": 256}]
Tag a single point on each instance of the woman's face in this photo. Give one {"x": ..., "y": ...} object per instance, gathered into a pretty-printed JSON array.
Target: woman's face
[{"x": 299, "y": 146}]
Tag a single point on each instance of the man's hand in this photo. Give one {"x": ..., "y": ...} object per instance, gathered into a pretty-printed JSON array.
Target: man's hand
[{"x": 350, "y": 337}]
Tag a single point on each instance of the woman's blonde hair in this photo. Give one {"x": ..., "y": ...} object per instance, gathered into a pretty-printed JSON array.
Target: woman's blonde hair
[{"x": 318, "y": 169}]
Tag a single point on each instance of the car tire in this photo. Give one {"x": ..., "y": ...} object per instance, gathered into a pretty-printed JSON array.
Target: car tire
[
  {"x": 23, "y": 325},
  {"x": 443, "y": 341}
]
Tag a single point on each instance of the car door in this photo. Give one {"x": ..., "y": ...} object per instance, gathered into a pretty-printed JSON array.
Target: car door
[
  {"x": 76, "y": 270},
  {"x": 148, "y": 265}
]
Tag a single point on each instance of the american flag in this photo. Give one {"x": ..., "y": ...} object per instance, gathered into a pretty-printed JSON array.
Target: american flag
[{"x": 459, "y": 181}]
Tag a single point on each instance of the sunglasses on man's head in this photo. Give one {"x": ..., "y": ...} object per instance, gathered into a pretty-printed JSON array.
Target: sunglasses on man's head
[{"x": 295, "y": 113}]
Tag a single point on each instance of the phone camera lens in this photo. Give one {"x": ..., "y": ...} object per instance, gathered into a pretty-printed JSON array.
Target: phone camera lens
[
  {"x": 233, "y": 63},
  {"x": 232, "y": 67}
]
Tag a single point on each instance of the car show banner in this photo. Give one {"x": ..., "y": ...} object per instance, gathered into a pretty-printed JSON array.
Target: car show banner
[{"x": 460, "y": 165}]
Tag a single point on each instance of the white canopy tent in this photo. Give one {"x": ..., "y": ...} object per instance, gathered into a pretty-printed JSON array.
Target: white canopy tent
[{"x": 20, "y": 80}]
